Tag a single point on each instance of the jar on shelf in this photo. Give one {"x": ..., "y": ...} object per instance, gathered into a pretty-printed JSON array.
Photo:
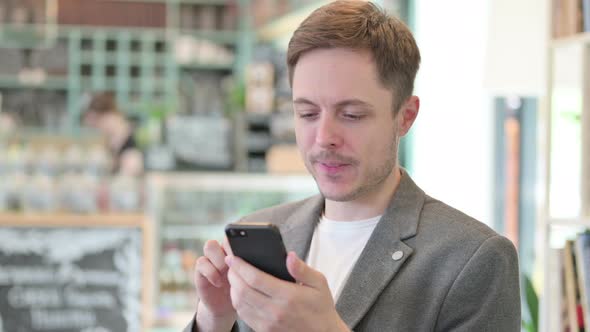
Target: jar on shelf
[{"x": 40, "y": 194}]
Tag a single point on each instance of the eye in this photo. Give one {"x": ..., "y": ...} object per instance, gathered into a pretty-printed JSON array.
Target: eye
[
  {"x": 352, "y": 116},
  {"x": 307, "y": 114}
]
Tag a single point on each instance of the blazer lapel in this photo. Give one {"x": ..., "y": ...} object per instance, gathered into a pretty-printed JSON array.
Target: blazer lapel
[
  {"x": 298, "y": 228},
  {"x": 384, "y": 253}
]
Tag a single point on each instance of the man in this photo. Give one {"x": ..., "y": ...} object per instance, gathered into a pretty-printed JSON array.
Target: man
[{"x": 380, "y": 255}]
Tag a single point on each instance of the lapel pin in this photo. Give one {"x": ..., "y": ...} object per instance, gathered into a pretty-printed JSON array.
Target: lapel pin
[{"x": 397, "y": 255}]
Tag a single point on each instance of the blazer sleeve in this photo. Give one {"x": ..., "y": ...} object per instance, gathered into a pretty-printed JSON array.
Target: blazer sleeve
[{"x": 486, "y": 294}]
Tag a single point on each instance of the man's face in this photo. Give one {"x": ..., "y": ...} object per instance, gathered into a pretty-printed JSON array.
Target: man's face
[{"x": 344, "y": 124}]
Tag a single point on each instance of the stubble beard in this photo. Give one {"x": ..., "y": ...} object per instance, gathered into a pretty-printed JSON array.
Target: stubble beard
[{"x": 372, "y": 180}]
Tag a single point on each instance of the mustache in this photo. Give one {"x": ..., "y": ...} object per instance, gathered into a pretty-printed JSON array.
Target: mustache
[{"x": 332, "y": 156}]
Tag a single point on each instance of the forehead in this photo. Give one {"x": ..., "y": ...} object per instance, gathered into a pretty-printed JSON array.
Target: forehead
[{"x": 337, "y": 73}]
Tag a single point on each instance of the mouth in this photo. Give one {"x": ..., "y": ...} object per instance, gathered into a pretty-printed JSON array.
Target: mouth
[
  {"x": 332, "y": 164},
  {"x": 331, "y": 167}
]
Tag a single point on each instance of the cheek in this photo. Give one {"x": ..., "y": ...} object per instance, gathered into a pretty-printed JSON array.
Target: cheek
[
  {"x": 379, "y": 142},
  {"x": 304, "y": 136}
]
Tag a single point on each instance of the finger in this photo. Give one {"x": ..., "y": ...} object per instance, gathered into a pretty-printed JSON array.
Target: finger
[
  {"x": 250, "y": 305},
  {"x": 252, "y": 318},
  {"x": 303, "y": 273},
  {"x": 205, "y": 269},
  {"x": 257, "y": 279},
  {"x": 213, "y": 250},
  {"x": 227, "y": 247},
  {"x": 243, "y": 294}
]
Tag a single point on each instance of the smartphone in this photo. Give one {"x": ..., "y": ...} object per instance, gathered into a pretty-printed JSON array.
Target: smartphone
[{"x": 261, "y": 245}]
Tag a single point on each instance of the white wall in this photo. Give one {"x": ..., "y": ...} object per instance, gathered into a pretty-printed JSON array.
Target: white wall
[
  {"x": 516, "y": 47},
  {"x": 453, "y": 146}
]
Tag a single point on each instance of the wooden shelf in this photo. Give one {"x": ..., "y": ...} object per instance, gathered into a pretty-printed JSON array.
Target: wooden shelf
[
  {"x": 206, "y": 66},
  {"x": 49, "y": 83},
  {"x": 568, "y": 58},
  {"x": 227, "y": 37},
  {"x": 68, "y": 219},
  {"x": 112, "y": 58}
]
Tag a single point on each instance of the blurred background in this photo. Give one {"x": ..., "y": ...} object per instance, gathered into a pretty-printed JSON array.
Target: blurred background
[{"x": 131, "y": 131}]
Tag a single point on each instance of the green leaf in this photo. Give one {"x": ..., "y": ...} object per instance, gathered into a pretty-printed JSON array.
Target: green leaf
[
  {"x": 528, "y": 326},
  {"x": 532, "y": 301}
]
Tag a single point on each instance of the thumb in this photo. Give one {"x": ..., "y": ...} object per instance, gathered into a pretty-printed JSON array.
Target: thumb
[{"x": 303, "y": 273}]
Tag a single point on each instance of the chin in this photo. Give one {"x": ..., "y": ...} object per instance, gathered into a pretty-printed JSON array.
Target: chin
[
  {"x": 339, "y": 195},
  {"x": 346, "y": 197}
]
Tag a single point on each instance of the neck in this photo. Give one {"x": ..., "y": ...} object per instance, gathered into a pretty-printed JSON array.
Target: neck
[{"x": 368, "y": 205}]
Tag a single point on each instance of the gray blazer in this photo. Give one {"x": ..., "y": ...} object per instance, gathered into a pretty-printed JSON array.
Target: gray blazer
[{"x": 454, "y": 273}]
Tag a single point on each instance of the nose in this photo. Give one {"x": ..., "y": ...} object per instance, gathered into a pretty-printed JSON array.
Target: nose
[{"x": 327, "y": 133}]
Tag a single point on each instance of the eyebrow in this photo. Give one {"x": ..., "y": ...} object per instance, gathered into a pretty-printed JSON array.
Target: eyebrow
[
  {"x": 340, "y": 104},
  {"x": 303, "y": 101}
]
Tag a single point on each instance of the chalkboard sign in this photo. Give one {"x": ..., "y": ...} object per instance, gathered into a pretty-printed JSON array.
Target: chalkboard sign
[{"x": 66, "y": 279}]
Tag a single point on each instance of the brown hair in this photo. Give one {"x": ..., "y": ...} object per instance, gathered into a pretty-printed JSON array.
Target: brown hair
[
  {"x": 103, "y": 103},
  {"x": 361, "y": 25}
]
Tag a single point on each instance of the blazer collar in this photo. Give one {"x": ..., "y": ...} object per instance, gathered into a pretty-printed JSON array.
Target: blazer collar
[
  {"x": 375, "y": 267},
  {"x": 299, "y": 227}
]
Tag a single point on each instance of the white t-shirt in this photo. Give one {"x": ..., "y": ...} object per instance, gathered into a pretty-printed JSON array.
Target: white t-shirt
[{"x": 336, "y": 246}]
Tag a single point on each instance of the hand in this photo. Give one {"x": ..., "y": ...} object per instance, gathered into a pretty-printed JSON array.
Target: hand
[
  {"x": 215, "y": 311},
  {"x": 267, "y": 303}
]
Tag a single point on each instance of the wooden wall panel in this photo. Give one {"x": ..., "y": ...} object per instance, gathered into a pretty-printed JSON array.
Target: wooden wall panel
[{"x": 112, "y": 13}]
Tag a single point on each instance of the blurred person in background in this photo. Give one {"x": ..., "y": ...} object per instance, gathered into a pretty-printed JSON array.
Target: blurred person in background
[{"x": 104, "y": 115}]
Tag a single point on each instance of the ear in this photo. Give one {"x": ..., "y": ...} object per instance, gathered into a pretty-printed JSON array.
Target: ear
[{"x": 407, "y": 114}]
